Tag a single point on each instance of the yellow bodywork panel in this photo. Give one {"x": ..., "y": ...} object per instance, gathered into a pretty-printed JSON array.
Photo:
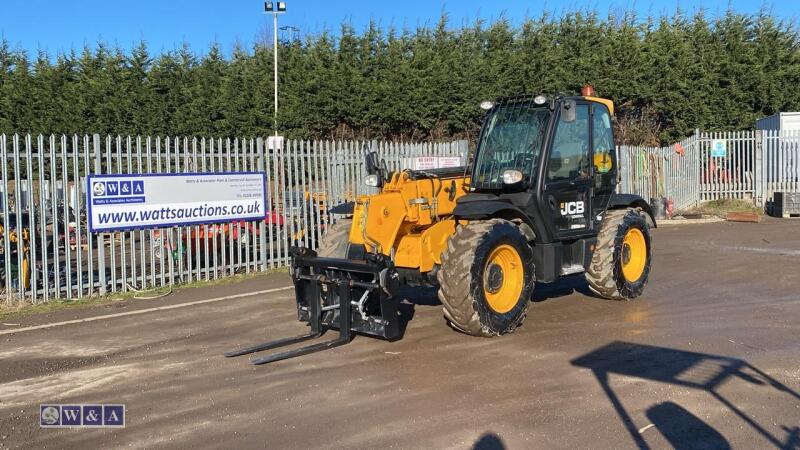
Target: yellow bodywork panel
[
  {"x": 377, "y": 220},
  {"x": 609, "y": 104},
  {"x": 411, "y": 219},
  {"x": 423, "y": 250}
]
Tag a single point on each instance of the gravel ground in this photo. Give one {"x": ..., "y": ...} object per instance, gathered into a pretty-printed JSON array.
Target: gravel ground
[{"x": 708, "y": 358}]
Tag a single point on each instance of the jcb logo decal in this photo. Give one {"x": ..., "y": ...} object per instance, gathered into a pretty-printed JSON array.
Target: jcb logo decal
[{"x": 570, "y": 208}]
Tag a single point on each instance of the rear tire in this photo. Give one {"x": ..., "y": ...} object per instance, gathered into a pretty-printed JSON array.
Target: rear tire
[
  {"x": 480, "y": 299},
  {"x": 623, "y": 237},
  {"x": 336, "y": 242}
]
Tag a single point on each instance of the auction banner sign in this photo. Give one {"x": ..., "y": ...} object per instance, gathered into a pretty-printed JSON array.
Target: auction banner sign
[{"x": 139, "y": 201}]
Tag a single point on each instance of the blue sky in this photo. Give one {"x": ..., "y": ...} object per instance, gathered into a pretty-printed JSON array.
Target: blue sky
[{"x": 59, "y": 25}]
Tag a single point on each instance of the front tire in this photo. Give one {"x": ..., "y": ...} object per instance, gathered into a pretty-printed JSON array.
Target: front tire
[
  {"x": 334, "y": 244},
  {"x": 621, "y": 261},
  {"x": 486, "y": 278}
]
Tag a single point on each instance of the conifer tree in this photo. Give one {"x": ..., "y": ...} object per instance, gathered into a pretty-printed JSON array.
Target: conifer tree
[{"x": 667, "y": 75}]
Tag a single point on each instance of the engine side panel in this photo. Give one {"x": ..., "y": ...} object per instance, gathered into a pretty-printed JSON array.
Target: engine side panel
[
  {"x": 406, "y": 217},
  {"x": 423, "y": 250}
]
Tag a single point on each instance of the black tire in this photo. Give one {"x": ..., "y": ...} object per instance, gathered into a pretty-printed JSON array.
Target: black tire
[
  {"x": 605, "y": 275},
  {"x": 462, "y": 278},
  {"x": 336, "y": 242}
]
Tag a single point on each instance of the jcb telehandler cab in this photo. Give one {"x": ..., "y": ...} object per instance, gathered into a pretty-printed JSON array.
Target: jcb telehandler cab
[{"x": 537, "y": 203}]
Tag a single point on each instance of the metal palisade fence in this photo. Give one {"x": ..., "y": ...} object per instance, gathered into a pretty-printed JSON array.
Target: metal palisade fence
[
  {"x": 46, "y": 250},
  {"x": 714, "y": 165}
]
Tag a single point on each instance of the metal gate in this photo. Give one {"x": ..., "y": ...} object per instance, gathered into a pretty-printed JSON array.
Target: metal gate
[
  {"x": 714, "y": 165},
  {"x": 671, "y": 172}
]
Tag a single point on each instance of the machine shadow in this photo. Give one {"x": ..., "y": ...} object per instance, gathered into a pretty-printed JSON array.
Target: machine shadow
[
  {"x": 566, "y": 286},
  {"x": 683, "y": 430},
  {"x": 701, "y": 371},
  {"x": 489, "y": 441},
  {"x": 420, "y": 295},
  {"x": 427, "y": 296},
  {"x": 413, "y": 297}
]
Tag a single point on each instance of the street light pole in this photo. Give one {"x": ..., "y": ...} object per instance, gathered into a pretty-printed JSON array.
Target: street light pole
[
  {"x": 275, "y": 8},
  {"x": 275, "y": 66}
]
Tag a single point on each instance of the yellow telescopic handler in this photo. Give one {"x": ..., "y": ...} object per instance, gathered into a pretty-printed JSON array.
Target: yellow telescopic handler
[{"x": 537, "y": 203}]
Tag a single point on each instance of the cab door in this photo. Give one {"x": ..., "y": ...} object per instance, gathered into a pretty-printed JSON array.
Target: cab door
[
  {"x": 567, "y": 192},
  {"x": 604, "y": 161}
]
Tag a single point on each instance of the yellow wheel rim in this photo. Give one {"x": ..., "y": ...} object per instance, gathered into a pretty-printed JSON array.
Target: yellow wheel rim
[
  {"x": 503, "y": 278},
  {"x": 634, "y": 255}
]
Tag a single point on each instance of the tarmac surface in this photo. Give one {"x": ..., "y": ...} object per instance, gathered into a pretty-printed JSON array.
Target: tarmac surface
[{"x": 709, "y": 357}]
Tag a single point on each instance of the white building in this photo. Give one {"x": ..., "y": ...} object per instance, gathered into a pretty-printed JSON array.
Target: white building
[{"x": 784, "y": 121}]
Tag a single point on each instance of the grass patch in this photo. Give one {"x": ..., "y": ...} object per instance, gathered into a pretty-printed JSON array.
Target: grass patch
[
  {"x": 26, "y": 308},
  {"x": 723, "y": 206}
]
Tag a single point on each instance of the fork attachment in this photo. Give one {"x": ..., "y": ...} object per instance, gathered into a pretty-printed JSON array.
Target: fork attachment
[{"x": 353, "y": 296}]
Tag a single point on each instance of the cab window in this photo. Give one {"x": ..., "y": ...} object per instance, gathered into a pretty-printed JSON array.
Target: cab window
[
  {"x": 569, "y": 158},
  {"x": 603, "y": 151}
]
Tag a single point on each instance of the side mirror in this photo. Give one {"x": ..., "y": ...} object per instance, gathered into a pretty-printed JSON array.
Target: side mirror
[
  {"x": 370, "y": 161},
  {"x": 377, "y": 171},
  {"x": 568, "y": 111}
]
